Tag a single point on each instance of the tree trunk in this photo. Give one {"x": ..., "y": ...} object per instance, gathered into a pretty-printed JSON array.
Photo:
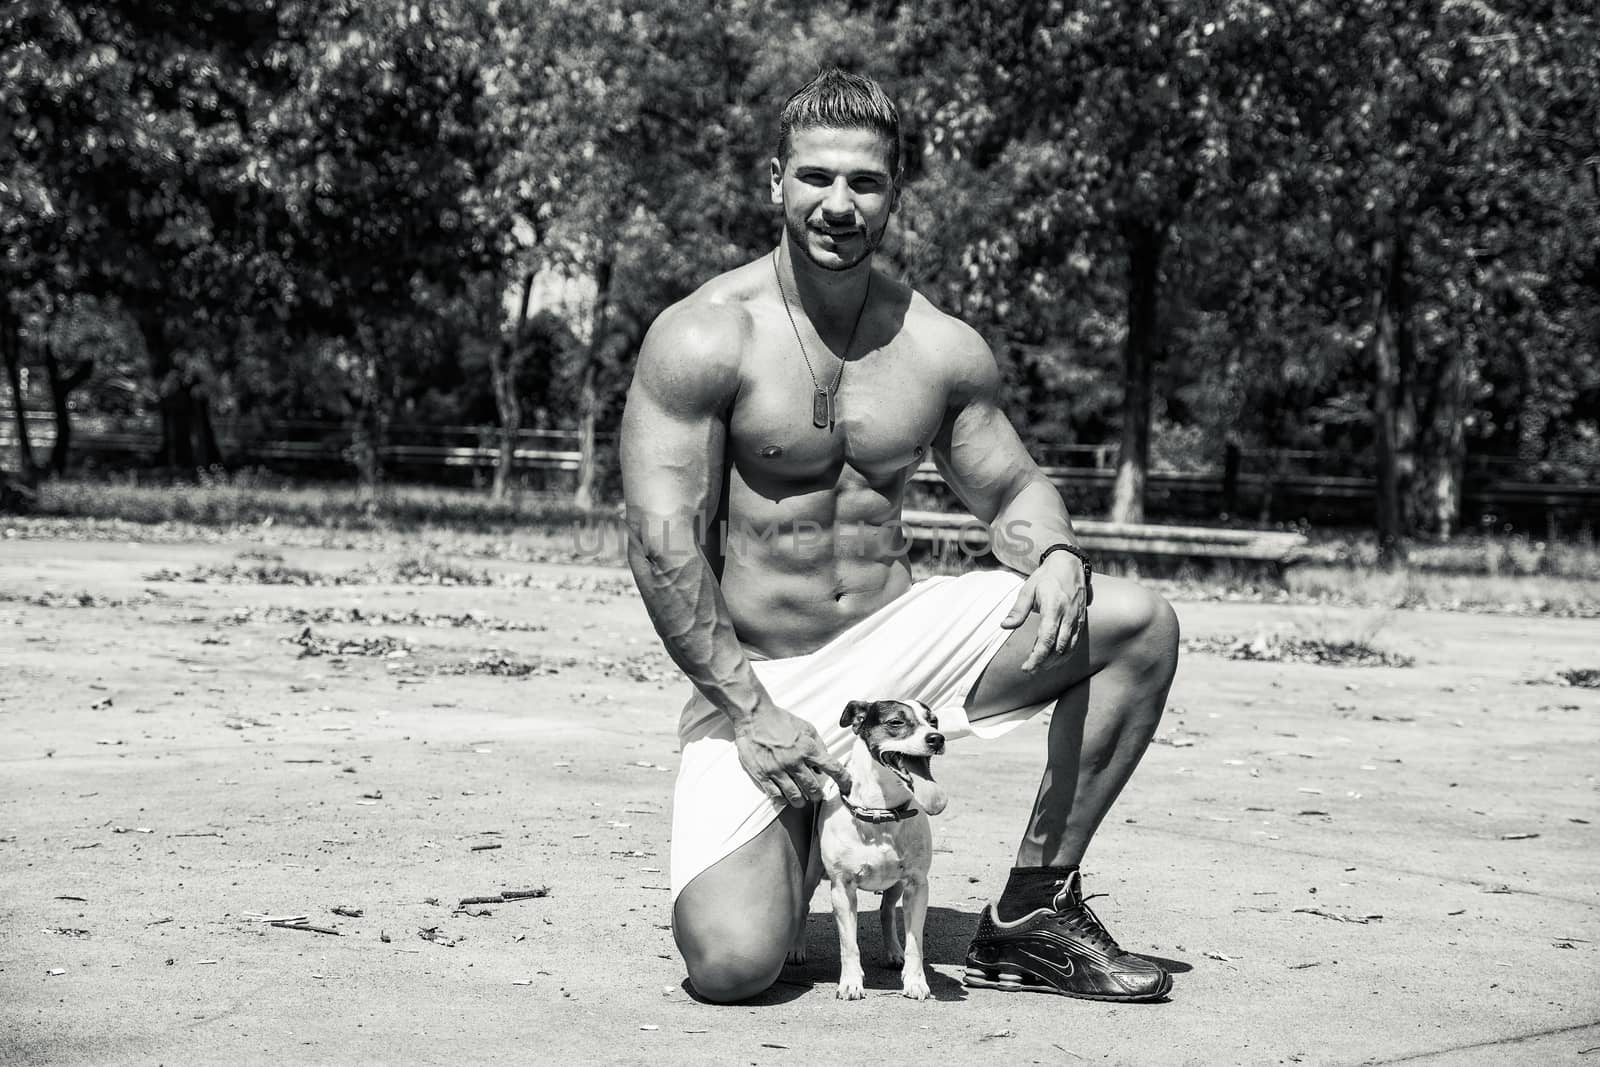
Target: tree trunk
[
  {"x": 11, "y": 352},
  {"x": 588, "y": 401},
  {"x": 583, "y": 495},
  {"x": 1443, "y": 444},
  {"x": 1451, "y": 457},
  {"x": 370, "y": 429},
  {"x": 1393, "y": 422},
  {"x": 1232, "y": 461},
  {"x": 173, "y": 401},
  {"x": 61, "y": 450},
  {"x": 207, "y": 452},
  {"x": 372, "y": 403},
  {"x": 1133, "y": 461},
  {"x": 62, "y": 387},
  {"x": 505, "y": 362},
  {"x": 366, "y": 445},
  {"x": 187, "y": 441}
]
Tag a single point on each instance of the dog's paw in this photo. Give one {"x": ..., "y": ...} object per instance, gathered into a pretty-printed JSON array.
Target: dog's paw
[
  {"x": 796, "y": 955},
  {"x": 893, "y": 956},
  {"x": 914, "y": 986},
  {"x": 850, "y": 987}
]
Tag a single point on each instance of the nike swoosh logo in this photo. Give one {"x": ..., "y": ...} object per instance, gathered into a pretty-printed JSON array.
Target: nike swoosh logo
[
  {"x": 1062, "y": 969},
  {"x": 1071, "y": 944}
]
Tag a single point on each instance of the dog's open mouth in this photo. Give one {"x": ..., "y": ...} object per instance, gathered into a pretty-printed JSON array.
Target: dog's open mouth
[
  {"x": 907, "y": 766},
  {"x": 917, "y": 773}
]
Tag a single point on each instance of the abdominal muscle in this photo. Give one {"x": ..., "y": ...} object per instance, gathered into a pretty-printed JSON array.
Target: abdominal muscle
[{"x": 800, "y": 570}]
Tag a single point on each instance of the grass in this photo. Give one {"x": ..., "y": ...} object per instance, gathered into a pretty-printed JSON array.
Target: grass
[
  {"x": 253, "y": 508},
  {"x": 1492, "y": 555},
  {"x": 1430, "y": 590},
  {"x": 1353, "y": 584},
  {"x": 1482, "y": 572},
  {"x": 251, "y": 498}
]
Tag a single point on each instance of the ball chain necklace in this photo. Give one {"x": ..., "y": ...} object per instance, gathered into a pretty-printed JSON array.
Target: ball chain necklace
[{"x": 822, "y": 401}]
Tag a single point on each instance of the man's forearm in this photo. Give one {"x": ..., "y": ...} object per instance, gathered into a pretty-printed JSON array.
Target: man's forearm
[
  {"x": 685, "y": 602},
  {"x": 1029, "y": 521}
]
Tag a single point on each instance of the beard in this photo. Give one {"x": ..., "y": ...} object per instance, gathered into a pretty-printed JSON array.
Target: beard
[{"x": 800, "y": 239}]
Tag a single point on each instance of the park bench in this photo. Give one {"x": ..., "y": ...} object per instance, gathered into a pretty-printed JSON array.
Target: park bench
[{"x": 1136, "y": 542}]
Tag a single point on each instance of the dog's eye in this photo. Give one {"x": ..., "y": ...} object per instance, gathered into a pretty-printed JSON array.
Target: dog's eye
[{"x": 933, "y": 721}]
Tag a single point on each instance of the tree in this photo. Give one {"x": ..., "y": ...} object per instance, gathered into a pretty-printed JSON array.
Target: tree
[
  {"x": 1105, "y": 124},
  {"x": 67, "y": 368},
  {"x": 141, "y": 179},
  {"x": 505, "y": 366},
  {"x": 1454, "y": 130},
  {"x": 11, "y": 355},
  {"x": 380, "y": 154}
]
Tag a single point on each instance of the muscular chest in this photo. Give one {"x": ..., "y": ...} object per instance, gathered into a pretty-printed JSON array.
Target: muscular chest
[{"x": 886, "y": 412}]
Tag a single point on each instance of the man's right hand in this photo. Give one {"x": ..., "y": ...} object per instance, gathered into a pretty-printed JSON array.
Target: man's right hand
[{"x": 782, "y": 753}]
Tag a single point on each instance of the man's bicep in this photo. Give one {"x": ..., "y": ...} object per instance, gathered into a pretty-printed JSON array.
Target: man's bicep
[
  {"x": 673, "y": 426},
  {"x": 671, "y": 462},
  {"x": 983, "y": 460},
  {"x": 978, "y": 452}
]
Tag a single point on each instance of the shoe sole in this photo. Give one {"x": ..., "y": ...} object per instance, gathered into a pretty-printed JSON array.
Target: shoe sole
[{"x": 1015, "y": 980}]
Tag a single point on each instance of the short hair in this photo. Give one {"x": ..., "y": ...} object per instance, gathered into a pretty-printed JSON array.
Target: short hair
[{"x": 838, "y": 100}]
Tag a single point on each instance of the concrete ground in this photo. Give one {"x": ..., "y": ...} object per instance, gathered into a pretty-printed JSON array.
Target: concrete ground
[{"x": 1343, "y": 865}]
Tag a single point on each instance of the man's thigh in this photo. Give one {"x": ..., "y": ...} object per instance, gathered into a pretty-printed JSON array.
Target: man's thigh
[
  {"x": 740, "y": 914},
  {"x": 1123, "y": 613}
]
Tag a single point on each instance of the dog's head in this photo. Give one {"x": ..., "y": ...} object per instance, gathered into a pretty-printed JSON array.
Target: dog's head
[{"x": 903, "y": 736}]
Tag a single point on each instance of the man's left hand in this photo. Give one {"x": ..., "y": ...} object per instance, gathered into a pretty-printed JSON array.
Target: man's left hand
[{"x": 1056, "y": 591}]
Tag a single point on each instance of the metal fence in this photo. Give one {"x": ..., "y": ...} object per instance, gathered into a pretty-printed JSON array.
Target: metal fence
[{"x": 1256, "y": 485}]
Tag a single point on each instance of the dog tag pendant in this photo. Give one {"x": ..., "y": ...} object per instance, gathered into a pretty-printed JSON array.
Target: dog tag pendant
[{"x": 821, "y": 416}]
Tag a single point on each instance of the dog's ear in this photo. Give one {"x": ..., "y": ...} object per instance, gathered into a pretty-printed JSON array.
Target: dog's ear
[{"x": 852, "y": 711}]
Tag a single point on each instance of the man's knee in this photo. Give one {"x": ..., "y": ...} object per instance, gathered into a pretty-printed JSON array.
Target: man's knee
[
  {"x": 1151, "y": 648},
  {"x": 733, "y": 953},
  {"x": 725, "y": 975},
  {"x": 1148, "y": 627},
  {"x": 1162, "y": 629}
]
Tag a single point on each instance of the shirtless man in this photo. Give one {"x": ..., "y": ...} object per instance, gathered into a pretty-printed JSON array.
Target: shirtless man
[{"x": 775, "y": 418}]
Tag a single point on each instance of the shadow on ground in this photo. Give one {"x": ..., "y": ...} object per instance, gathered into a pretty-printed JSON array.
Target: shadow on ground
[{"x": 946, "y": 934}]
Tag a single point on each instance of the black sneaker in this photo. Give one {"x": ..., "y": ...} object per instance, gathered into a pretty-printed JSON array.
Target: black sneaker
[{"x": 1064, "y": 951}]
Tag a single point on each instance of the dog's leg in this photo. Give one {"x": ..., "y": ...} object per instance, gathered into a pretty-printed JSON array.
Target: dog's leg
[
  {"x": 797, "y": 947},
  {"x": 844, "y": 915},
  {"x": 913, "y": 980},
  {"x": 893, "y": 954}
]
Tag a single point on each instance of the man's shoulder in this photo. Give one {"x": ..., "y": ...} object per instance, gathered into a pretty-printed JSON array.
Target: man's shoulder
[
  {"x": 713, "y": 322},
  {"x": 935, "y": 330},
  {"x": 693, "y": 354}
]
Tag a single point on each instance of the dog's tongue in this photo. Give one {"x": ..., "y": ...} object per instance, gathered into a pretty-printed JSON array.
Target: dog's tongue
[{"x": 929, "y": 794}]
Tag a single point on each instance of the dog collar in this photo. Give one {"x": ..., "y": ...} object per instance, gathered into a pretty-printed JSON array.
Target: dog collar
[{"x": 879, "y": 815}]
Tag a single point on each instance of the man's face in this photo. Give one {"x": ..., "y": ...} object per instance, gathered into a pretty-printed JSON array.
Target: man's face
[{"x": 837, "y": 194}]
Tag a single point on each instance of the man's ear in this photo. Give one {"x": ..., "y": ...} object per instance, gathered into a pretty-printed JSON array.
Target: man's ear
[
  {"x": 776, "y": 168},
  {"x": 851, "y": 711}
]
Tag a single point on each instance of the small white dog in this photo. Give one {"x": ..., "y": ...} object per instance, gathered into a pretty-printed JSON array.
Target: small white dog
[{"x": 878, "y": 837}]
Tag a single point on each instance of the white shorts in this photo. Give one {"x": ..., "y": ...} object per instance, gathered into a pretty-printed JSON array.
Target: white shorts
[{"x": 931, "y": 644}]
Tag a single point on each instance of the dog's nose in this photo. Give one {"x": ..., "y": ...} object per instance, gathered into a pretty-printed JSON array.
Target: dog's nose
[{"x": 936, "y": 743}]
